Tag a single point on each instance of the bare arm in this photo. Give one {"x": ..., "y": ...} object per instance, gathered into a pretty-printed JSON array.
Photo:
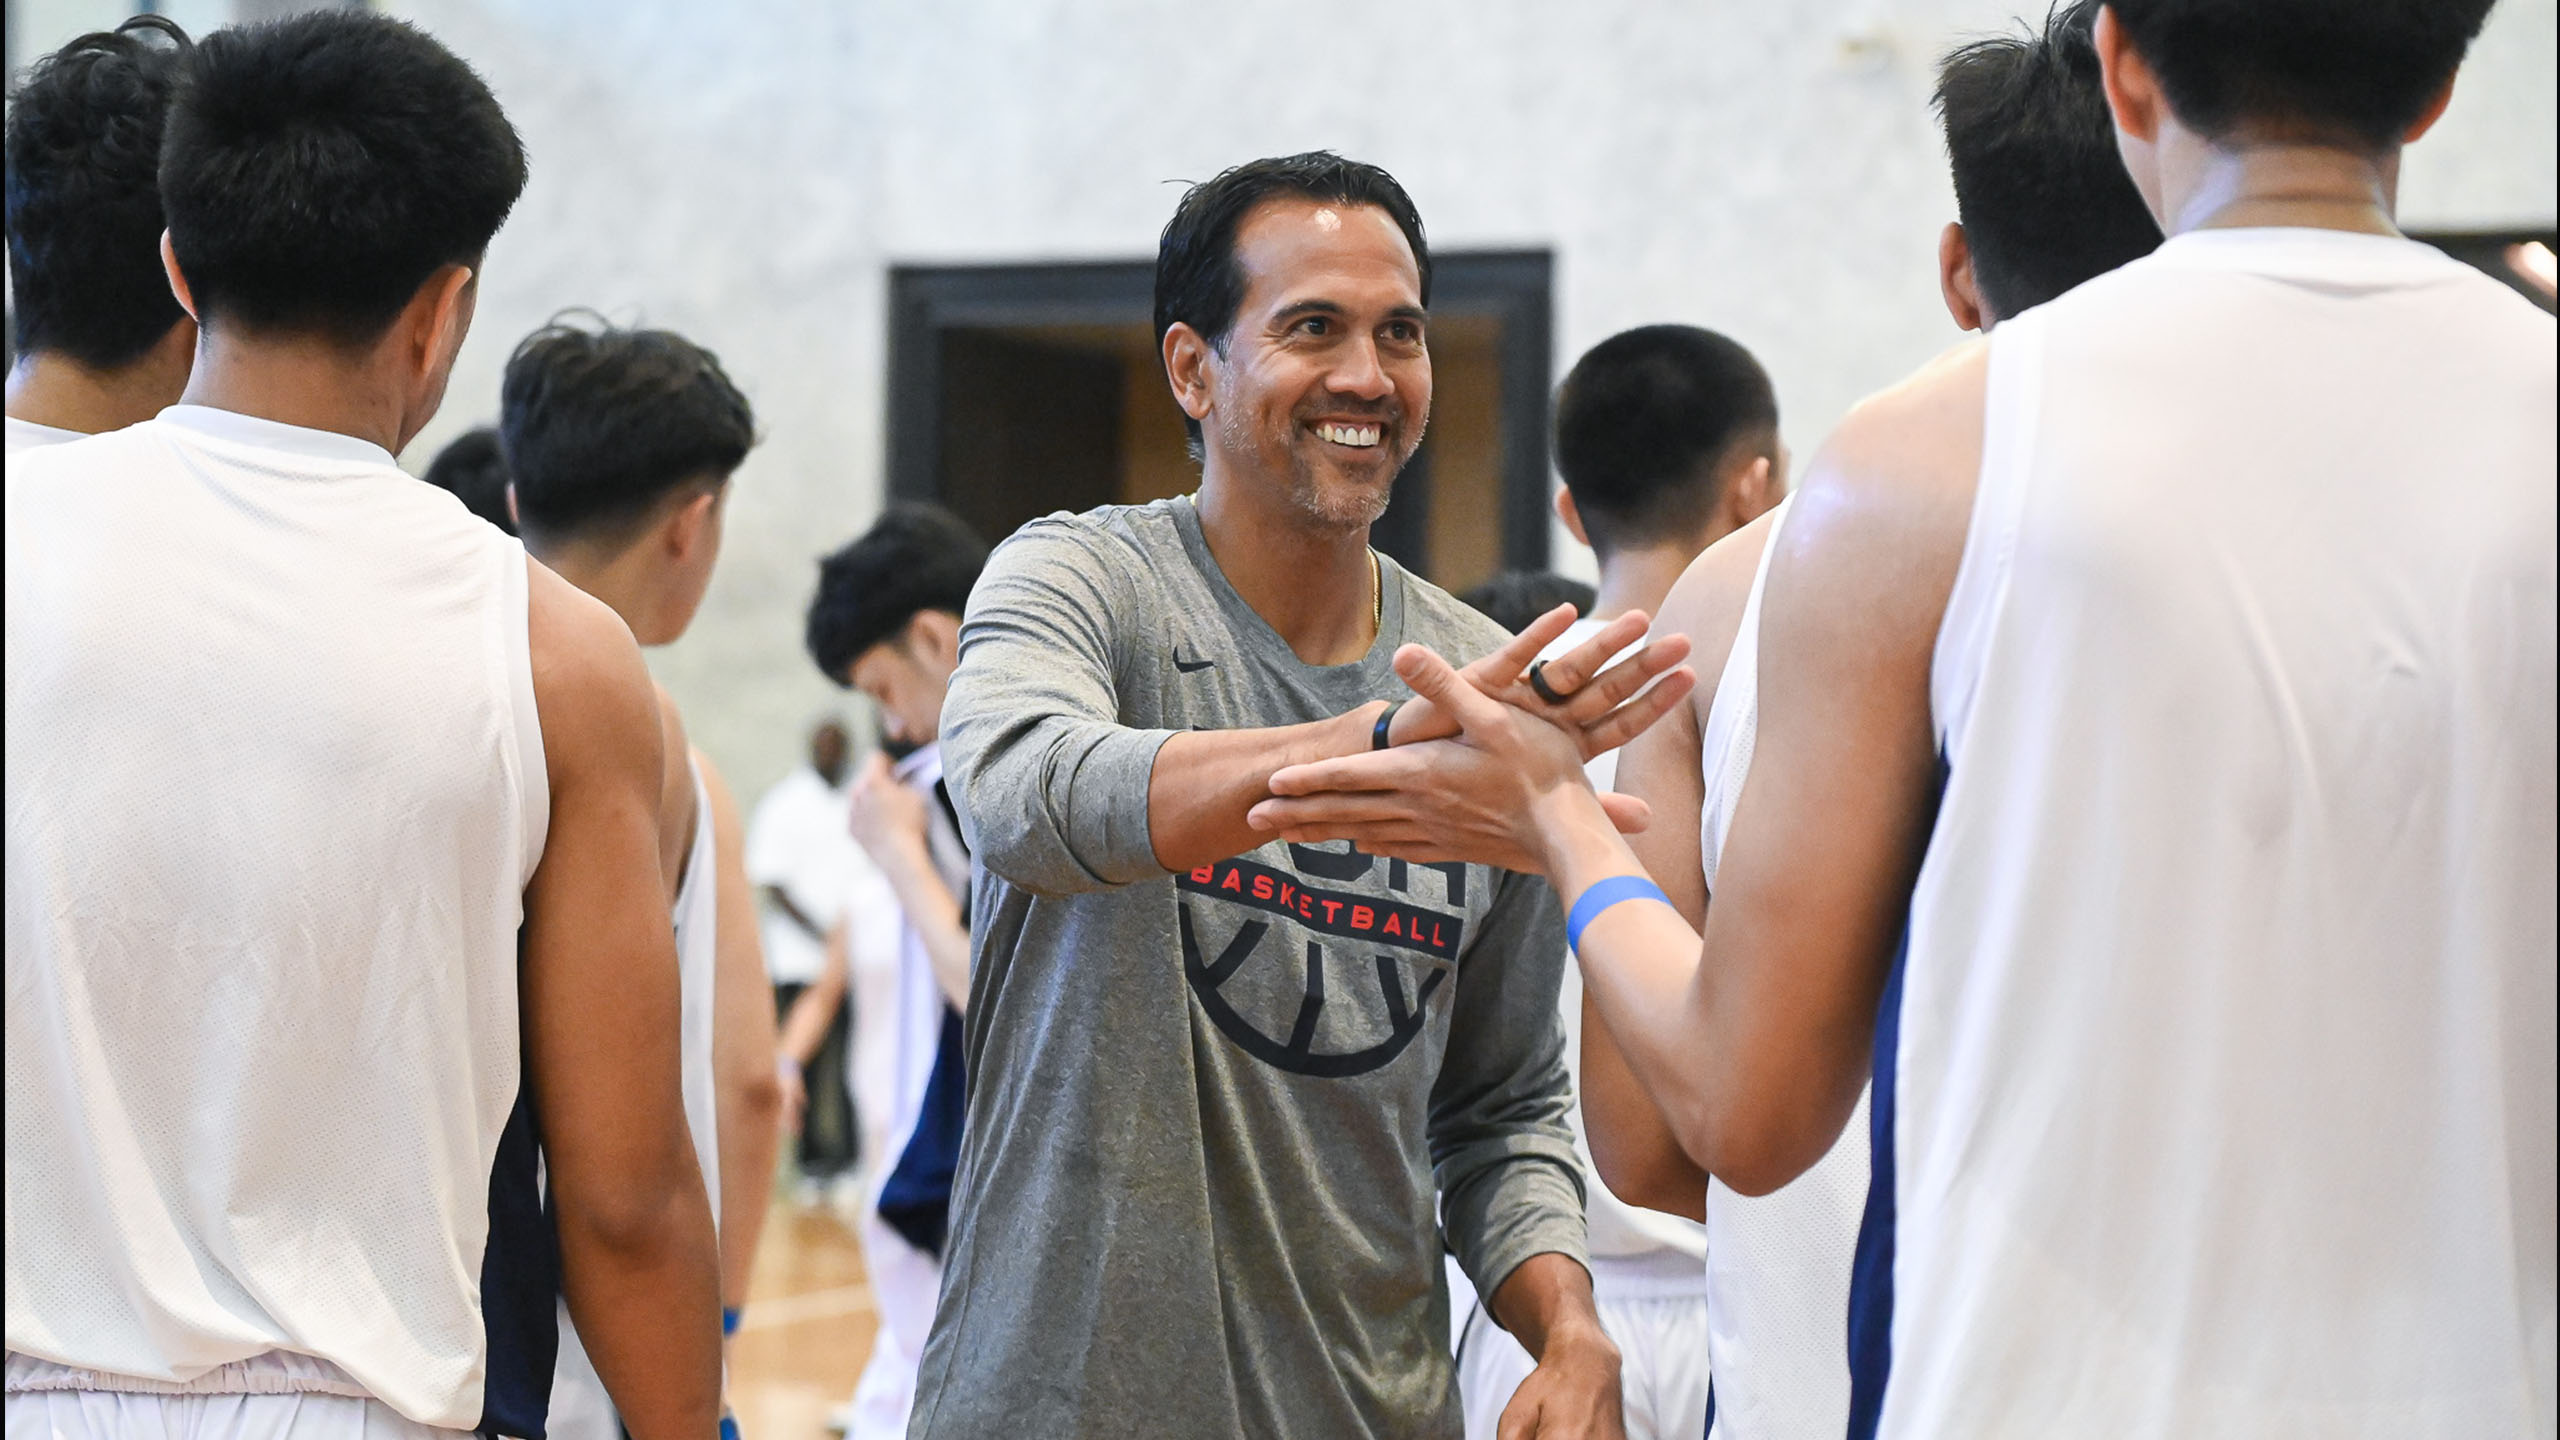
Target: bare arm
[
  {"x": 1638, "y": 1154},
  {"x": 804, "y": 1029},
  {"x": 1576, "y": 1390},
  {"x": 639, "y": 1266},
  {"x": 749, "y": 1095},
  {"x": 1062, "y": 798},
  {"x": 1758, "y": 1054},
  {"x": 894, "y": 827}
]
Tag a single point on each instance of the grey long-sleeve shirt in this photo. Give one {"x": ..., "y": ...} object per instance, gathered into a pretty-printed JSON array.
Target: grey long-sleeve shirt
[{"x": 1196, "y": 1198}]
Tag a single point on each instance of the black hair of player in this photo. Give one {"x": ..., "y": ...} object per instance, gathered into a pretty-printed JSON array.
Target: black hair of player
[
  {"x": 599, "y": 424},
  {"x": 916, "y": 557},
  {"x": 474, "y": 468},
  {"x": 2040, "y": 186},
  {"x": 319, "y": 168},
  {"x": 2356, "y": 74},
  {"x": 1647, "y": 423},
  {"x": 1198, "y": 281},
  {"x": 1515, "y": 597},
  {"x": 84, "y": 195}
]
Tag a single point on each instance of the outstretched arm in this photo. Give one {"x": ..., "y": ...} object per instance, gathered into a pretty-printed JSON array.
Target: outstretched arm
[
  {"x": 1756, "y": 1056},
  {"x": 1064, "y": 798},
  {"x": 639, "y": 1265},
  {"x": 742, "y": 1050}
]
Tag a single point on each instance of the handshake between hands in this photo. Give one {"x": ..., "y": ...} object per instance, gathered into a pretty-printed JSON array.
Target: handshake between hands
[{"x": 1480, "y": 766}]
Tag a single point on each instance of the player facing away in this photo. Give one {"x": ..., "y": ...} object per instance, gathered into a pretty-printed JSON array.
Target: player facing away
[
  {"x": 2182, "y": 874},
  {"x": 369, "y": 883},
  {"x": 100, "y": 341},
  {"x": 2044, "y": 204},
  {"x": 619, "y": 445}
]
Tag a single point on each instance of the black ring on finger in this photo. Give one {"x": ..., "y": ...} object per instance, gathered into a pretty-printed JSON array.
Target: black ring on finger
[{"x": 1538, "y": 682}]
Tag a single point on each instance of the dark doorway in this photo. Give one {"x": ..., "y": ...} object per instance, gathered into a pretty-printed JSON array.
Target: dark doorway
[{"x": 1018, "y": 390}]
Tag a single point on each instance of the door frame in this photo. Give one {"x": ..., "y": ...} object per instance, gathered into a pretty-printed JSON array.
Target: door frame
[{"x": 1515, "y": 286}]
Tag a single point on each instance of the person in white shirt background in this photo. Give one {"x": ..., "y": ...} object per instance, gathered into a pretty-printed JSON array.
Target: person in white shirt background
[
  {"x": 804, "y": 863},
  {"x": 99, "y": 341},
  {"x": 886, "y": 621}
]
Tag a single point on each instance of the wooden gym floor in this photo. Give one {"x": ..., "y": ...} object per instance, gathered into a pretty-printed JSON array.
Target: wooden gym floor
[{"x": 807, "y": 1328}]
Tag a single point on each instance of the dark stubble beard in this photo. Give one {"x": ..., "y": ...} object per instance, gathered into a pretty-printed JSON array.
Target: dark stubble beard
[{"x": 1329, "y": 508}]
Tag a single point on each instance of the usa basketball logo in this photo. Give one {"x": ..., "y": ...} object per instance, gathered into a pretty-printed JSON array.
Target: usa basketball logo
[{"x": 1341, "y": 980}]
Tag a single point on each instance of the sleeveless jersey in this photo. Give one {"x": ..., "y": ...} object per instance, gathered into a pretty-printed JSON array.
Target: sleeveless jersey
[
  {"x": 2215, "y": 1081},
  {"x": 275, "y": 786},
  {"x": 580, "y": 1408},
  {"x": 1777, "y": 1264}
]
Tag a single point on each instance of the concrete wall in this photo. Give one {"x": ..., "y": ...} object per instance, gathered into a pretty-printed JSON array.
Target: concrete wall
[{"x": 746, "y": 172}]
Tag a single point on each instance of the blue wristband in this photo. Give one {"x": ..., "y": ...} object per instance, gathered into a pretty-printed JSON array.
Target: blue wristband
[
  {"x": 1603, "y": 895},
  {"x": 728, "y": 1427},
  {"x": 729, "y": 1320}
]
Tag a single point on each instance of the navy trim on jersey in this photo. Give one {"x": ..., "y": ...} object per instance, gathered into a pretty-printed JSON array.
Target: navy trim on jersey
[
  {"x": 519, "y": 1285},
  {"x": 1710, "y": 1431},
  {"x": 1871, "y": 1271}
]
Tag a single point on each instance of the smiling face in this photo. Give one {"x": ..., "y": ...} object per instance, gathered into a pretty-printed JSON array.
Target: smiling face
[{"x": 1323, "y": 386}]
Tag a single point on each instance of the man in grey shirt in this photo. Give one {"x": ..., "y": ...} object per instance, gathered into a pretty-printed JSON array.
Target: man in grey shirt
[{"x": 1213, "y": 1075}]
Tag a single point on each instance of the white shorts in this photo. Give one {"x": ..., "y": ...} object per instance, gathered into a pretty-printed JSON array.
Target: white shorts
[
  {"x": 120, "y": 1415},
  {"x": 1663, "y": 1342}
]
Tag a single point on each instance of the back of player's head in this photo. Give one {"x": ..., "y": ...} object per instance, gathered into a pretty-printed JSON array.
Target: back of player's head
[
  {"x": 1515, "y": 597},
  {"x": 2359, "y": 74},
  {"x": 916, "y": 557},
  {"x": 2040, "y": 187},
  {"x": 1647, "y": 425},
  {"x": 475, "y": 470},
  {"x": 84, "y": 195},
  {"x": 318, "y": 169},
  {"x": 1198, "y": 280},
  {"x": 599, "y": 424}
]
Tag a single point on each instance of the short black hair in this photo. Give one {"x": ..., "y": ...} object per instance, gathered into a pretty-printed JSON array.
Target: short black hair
[
  {"x": 1515, "y": 597},
  {"x": 2040, "y": 186},
  {"x": 1199, "y": 283},
  {"x": 1646, "y": 423},
  {"x": 317, "y": 169},
  {"x": 599, "y": 423},
  {"x": 475, "y": 470},
  {"x": 84, "y": 195},
  {"x": 2359, "y": 73},
  {"x": 916, "y": 557}
]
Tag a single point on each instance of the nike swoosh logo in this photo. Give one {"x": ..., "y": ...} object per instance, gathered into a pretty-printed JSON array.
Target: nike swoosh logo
[{"x": 1189, "y": 667}]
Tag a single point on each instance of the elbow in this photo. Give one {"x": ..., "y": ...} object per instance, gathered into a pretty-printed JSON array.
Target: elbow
[
  {"x": 757, "y": 1098},
  {"x": 637, "y": 1221},
  {"x": 1752, "y": 1155}
]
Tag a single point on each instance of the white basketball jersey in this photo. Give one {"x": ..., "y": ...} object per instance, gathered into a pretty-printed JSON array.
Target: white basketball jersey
[
  {"x": 1778, "y": 1264},
  {"x": 275, "y": 786},
  {"x": 28, "y": 435},
  {"x": 2219, "y": 1065}
]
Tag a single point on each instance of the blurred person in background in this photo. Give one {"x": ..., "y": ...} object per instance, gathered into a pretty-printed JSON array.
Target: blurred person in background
[
  {"x": 98, "y": 341},
  {"x": 805, "y": 864},
  {"x": 886, "y": 622}
]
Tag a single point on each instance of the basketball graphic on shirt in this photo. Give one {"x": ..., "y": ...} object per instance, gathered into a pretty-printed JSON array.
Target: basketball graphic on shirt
[{"x": 1327, "y": 968}]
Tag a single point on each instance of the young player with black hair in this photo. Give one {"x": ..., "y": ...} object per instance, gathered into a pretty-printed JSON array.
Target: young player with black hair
[
  {"x": 1667, "y": 439},
  {"x": 886, "y": 622},
  {"x": 374, "y": 880},
  {"x": 619, "y": 445},
  {"x": 100, "y": 341}
]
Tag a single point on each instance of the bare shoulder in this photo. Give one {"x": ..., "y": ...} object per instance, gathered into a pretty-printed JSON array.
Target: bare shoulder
[
  {"x": 1878, "y": 525},
  {"x": 598, "y": 706},
  {"x": 1707, "y": 601}
]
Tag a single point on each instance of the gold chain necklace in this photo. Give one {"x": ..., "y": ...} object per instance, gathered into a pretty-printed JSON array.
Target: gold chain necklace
[{"x": 1377, "y": 594}]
